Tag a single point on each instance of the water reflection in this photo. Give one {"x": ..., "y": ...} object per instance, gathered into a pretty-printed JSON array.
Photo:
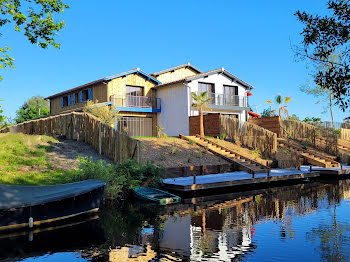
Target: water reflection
[{"x": 305, "y": 222}]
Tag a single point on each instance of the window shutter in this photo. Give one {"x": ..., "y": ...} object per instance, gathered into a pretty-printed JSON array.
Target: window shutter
[
  {"x": 61, "y": 102},
  {"x": 81, "y": 96},
  {"x": 90, "y": 94},
  {"x": 73, "y": 96},
  {"x": 69, "y": 100}
]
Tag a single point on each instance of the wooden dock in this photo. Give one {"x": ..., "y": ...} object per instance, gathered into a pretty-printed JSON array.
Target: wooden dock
[
  {"x": 329, "y": 172},
  {"x": 240, "y": 178}
]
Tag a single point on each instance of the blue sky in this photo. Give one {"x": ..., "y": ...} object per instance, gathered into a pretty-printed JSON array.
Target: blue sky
[{"x": 251, "y": 39}]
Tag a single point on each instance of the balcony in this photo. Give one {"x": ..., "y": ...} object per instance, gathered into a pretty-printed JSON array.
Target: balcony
[
  {"x": 136, "y": 103},
  {"x": 226, "y": 101}
]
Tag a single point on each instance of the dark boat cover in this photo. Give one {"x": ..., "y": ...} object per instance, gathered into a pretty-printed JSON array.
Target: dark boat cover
[{"x": 12, "y": 196}]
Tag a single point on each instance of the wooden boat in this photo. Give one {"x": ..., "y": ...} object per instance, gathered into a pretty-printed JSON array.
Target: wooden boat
[
  {"x": 155, "y": 195},
  {"x": 30, "y": 206}
]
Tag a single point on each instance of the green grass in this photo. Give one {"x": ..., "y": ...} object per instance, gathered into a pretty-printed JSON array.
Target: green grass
[
  {"x": 23, "y": 161},
  {"x": 51, "y": 177}
]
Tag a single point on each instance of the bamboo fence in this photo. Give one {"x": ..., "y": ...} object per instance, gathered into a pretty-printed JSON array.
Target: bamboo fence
[
  {"x": 249, "y": 135},
  {"x": 345, "y": 134},
  {"x": 319, "y": 137},
  {"x": 86, "y": 128}
]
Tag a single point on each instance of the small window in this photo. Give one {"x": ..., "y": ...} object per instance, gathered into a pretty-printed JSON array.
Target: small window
[
  {"x": 65, "y": 101},
  {"x": 85, "y": 95}
]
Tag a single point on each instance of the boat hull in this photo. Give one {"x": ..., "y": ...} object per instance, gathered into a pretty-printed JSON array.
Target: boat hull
[
  {"x": 16, "y": 218},
  {"x": 165, "y": 198}
]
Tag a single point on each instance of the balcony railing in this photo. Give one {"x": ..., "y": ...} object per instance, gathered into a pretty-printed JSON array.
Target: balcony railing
[
  {"x": 136, "y": 101},
  {"x": 227, "y": 100}
]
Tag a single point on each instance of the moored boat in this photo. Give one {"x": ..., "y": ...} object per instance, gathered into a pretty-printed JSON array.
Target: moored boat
[
  {"x": 155, "y": 195},
  {"x": 30, "y": 206}
]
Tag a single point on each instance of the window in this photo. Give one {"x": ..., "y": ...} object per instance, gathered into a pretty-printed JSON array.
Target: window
[
  {"x": 85, "y": 95},
  {"x": 65, "y": 101},
  {"x": 206, "y": 87},
  {"x": 231, "y": 95},
  {"x": 134, "y": 91}
]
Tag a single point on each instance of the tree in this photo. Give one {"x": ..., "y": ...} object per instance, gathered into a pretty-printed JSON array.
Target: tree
[
  {"x": 268, "y": 112},
  {"x": 281, "y": 108},
  {"x": 200, "y": 102},
  {"x": 294, "y": 117},
  {"x": 2, "y": 118},
  {"x": 35, "y": 19},
  {"x": 324, "y": 95},
  {"x": 35, "y": 107},
  {"x": 324, "y": 36}
]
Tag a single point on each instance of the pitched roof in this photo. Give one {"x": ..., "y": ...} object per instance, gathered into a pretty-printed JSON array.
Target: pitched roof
[
  {"x": 107, "y": 79},
  {"x": 177, "y": 67},
  {"x": 216, "y": 71}
]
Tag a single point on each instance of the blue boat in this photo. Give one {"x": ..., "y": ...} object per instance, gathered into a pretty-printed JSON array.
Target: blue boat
[{"x": 155, "y": 195}]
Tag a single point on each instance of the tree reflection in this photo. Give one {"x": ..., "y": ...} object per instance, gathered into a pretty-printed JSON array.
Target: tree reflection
[{"x": 334, "y": 238}]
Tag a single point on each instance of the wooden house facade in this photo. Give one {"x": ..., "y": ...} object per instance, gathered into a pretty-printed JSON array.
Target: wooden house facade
[{"x": 144, "y": 101}]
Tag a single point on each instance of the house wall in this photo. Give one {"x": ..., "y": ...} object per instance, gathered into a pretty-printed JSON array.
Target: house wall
[
  {"x": 117, "y": 85},
  {"x": 139, "y": 114},
  {"x": 175, "y": 109},
  {"x": 99, "y": 93},
  {"x": 219, "y": 80},
  {"x": 176, "y": 75}
]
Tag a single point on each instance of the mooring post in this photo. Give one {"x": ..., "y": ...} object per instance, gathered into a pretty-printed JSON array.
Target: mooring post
[
  {"x": 194, "y": 178},
  {"x": 268, "y": 172},
  {"x": 341, "y": 166},
  {"x": 310, "y": 168},
  {"x": 253, "y": 174}
]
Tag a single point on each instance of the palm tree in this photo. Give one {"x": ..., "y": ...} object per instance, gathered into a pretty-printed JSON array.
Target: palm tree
[
  {"x": 281, "y": 108},
  {"x": 200, "y": 102}
]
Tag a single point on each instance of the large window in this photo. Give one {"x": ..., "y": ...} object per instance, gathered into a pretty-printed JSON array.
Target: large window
[
  {"x": 134, "y": 91},
  {"x": 206, "y": 87},
  {"x": 231, "y": 95}
]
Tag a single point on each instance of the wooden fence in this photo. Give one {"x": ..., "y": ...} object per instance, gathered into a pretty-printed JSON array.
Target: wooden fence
[
  {"x": 320, "y": 138},
  {"x": 345, "y": 134},
  {"x": 249, "y": 135},
  {"x": 211, "y": 125},
  {"x": 270, "y": 123},
  {"x": 86, "y": 128}
]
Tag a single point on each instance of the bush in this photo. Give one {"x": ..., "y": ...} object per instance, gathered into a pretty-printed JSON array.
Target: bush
[
  {"x": 120, "y": 178},
  {"x": 105, "y": 113}
]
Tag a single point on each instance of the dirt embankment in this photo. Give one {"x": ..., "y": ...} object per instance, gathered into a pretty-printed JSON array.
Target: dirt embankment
[
  {"x": 175, "y": 152},
  {"x": 65, "y": 154}
]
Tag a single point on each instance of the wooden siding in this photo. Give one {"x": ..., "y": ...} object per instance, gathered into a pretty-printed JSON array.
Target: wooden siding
[
  {"x": 137, "y": 114},
  {"x": 270, "y": 123},
  {"x": 211, "y": 125},
  {"x": 117, "y": 85},
  {"x": 176, "y": 75},
  {"x": 99, "y": 93}
]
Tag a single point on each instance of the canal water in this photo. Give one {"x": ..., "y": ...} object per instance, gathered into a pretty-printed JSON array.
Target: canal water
[{"x": 307, "y": 222}]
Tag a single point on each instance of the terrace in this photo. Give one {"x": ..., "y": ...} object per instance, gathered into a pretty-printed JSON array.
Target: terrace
[{"x": 136, "y": 103}]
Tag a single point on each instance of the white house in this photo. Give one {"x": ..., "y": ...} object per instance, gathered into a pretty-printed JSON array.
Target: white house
[{"x": 229, "y": 95}]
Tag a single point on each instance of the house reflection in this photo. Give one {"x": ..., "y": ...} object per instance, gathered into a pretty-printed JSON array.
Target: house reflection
[{"x": 224, "y": 230}]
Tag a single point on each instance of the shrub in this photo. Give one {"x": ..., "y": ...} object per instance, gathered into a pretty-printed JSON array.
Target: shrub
[
  {"x": 120, "y": 178},
  {"x": 105, "y": 113},
  {"x": 191, "y": 142},
  {"x": 160, "y": 132},
  {"x": 173, "y": 148},
  {"x": 222, "y": 136}
]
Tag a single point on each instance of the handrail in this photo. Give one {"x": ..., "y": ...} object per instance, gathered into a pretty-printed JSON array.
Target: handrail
[
  {"x": 226, "y": 100},
  {"x": 136, "y": 101}
]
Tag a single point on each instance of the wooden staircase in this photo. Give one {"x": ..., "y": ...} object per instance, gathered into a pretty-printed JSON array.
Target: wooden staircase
[
  {"x": 311, "y": 156},
  {"x": 243, "y": 163},
  {"x": 340, "y": 146}
]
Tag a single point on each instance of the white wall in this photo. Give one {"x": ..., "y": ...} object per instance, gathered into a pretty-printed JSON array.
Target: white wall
[
  {"x": 219, "y": 80},
  {"x": 174, "y": 109}
]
